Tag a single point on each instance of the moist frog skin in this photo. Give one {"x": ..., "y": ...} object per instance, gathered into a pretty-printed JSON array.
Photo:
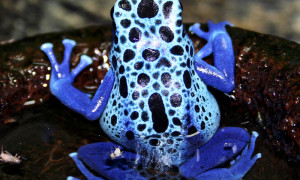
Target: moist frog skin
[{"x": 154, "y": 100}]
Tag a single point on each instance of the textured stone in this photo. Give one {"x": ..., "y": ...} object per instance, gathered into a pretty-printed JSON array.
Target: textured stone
[{"x": 267, "y": 79}]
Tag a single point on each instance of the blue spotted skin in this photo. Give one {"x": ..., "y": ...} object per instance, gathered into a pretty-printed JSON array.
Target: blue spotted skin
[
  {"x": 158, "y": 99},
  {"x": 154, "y": 99}
]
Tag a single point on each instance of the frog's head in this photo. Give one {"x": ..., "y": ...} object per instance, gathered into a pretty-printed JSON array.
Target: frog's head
[
  {"x": 129, "y": 13},
  {"x": 149, "y": 28}
]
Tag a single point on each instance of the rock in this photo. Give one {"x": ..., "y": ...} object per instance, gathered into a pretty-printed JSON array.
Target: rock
[{"x": 267, "y": 78}]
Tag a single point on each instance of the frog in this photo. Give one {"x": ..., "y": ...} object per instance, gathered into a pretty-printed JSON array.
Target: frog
[{"x": 154, "y": 101}]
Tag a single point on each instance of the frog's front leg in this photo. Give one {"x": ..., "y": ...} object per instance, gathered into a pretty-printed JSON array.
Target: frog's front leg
[
  {"x": 225, "y": 145},
  {"x": 221, "y": 75},
  {"x": 61, "y": 83}
]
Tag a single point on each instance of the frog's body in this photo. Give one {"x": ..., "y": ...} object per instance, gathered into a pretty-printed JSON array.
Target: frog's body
[
  {"x": 154, "y": 100},
  {"x": 158, "y": 97}
]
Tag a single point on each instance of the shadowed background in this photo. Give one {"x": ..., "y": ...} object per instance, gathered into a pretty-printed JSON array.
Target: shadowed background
[
  {"x": 44, "y": 135},
  {"x": 21, "y": 18}
]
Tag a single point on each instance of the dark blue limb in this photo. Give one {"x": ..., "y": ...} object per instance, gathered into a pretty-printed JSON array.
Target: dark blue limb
[
  {"x": 226, "y": 144},
  {"x": 61, "y": 83},
  {"x": 101, "y": 97},
  {"x": 97, "y": 157},
  {"x": 245, "y": 161},
  {"x": 221, "y": 75},
  {"x": 83, "y": 169}
]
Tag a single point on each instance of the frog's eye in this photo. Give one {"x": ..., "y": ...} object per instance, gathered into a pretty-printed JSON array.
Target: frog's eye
[
  {"x": 112, "y": 12},
  {"x": 181, "y": 7},
  {"x": 147, "y": 9},
  {"x": 125, "y": 5},
  {"x": 112, "y": 17}
]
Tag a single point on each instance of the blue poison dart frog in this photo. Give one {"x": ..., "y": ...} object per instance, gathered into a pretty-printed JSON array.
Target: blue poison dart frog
[{"x": 154, "y": 102}]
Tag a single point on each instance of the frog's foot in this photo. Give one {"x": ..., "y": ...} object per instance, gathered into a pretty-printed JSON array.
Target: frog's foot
[
  {"x": 245, "y": 161},
  {"x": 61, "y": 72},
  {"x": 61, "y": 78},
  {"x": 97, "y": 157},
  {"x": 61, "y": 83},
  {"x": 221, "y": 75},
  {"x": 226, "y": 144}
]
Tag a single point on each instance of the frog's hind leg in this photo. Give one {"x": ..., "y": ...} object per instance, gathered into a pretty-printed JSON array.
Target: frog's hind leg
[
  {"x": 221, "y": 75},
  {"x": 61, "y": 83},
  {"x": 97, "y": 157},
  {"x": 224, "y": 146}
]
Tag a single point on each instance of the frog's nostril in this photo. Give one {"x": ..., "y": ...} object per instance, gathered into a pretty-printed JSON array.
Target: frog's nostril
[{"x": 147, "y": 9}]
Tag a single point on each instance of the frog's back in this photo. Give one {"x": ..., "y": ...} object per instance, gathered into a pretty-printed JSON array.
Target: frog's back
[{"x": 158, "y": 101}]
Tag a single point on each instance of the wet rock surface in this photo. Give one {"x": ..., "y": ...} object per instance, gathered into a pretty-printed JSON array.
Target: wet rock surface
[
  {"x": 25, "y": 70},
  {"x": 268, "y": 84},
  {"x": 266, "y": 99}
]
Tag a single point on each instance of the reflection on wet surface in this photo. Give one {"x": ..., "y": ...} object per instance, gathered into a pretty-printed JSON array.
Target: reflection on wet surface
[
  {"x": 44, "y": 138},
  {"x": 46, "y": 134}
]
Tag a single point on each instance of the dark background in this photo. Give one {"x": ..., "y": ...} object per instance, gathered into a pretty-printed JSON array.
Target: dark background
[{"x": 21, "y": 18}]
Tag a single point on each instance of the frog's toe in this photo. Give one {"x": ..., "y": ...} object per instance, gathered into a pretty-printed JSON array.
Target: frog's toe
[
  {"x": 196, "y": 28},
  {"x": 219, "y": 25},
  {"x": 84, "y": 62},
  {"x": 97, "y": 157},
  {"x": 74, "y": 178},
  {"x": 239, "y": 167},
  {"x": 82, "y": 168},
  {"x": 224, "y": 146},
  {"x": 227, "y": 23},
  {"x": 47, "y": 48},
  {"x": 69, "y": 43},
  {"x": 245, "y": 162}
]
